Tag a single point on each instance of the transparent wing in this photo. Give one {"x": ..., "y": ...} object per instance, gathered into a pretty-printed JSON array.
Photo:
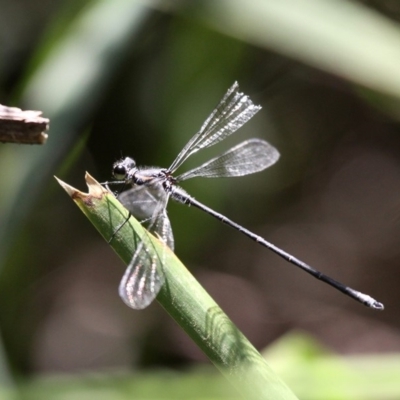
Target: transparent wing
[
  {"x": 148, "y": 205},
  {"x": 144, "y": 276},
  {"x": 142, "y": 201},
  {"x": 233, "y": 111},
  {"x": 248, "y": 157},
  {"x": 161, "y": 227}
]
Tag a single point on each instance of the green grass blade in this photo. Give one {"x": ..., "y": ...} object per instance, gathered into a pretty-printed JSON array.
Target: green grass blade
[
  {"x": 345, "y": 38},
  {"x": 186, "y": 300}
]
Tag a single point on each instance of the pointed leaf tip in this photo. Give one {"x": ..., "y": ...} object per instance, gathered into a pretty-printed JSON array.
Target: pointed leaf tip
[
  {"x": 69, "y": 189},
  {"x": 95, "y": 189}
]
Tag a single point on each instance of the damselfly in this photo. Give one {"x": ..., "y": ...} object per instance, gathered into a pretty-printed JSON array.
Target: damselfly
[{"x": 151, "y": 188}]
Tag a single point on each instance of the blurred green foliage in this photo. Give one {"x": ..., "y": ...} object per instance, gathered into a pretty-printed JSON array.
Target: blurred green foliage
[{"x": 313, "y": 372}]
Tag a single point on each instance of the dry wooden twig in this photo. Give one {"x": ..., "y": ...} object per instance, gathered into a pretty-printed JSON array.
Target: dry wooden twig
[{"x": 27, "y": 127}]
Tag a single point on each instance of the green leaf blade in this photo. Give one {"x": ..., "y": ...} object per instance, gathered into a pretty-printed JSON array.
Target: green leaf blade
[{"x": 185, "y": 299}]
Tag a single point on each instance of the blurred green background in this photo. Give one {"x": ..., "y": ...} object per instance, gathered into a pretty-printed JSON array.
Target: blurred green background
[{"x": 138, "y": 78}]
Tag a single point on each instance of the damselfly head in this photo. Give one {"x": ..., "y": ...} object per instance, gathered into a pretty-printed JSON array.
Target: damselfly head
[{"x": 122, "y": 167}]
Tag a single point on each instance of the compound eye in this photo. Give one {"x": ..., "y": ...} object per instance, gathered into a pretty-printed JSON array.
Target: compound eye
[{"x": 119, "y": 172}]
